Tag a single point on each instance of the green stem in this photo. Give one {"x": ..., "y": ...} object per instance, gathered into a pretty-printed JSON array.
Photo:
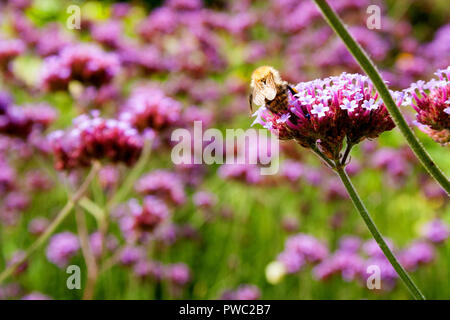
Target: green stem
[
  {"x": 367, "y": 65},
  {"x": 317, "y": 152},
  {"x": 376, "y": 234},
  {"x": 346, "y": 153},
  {"x": 55, "y": 223}
]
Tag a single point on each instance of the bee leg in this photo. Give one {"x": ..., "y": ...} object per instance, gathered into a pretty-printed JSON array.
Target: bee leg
[
  {"x": 292, "y": 90},
  {"x": 250, "y": 98}
]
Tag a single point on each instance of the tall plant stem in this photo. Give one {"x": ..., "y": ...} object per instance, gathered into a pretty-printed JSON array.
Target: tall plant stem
[
  {"x": 88, "y": 255},
  {"x": 367, "y": 65},
  {"x": 55, "y": 223},
  {"x": 359, "y": 205}
]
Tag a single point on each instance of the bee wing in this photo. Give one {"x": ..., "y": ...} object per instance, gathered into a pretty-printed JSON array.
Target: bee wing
[
  {"x": 258, "y": 96},
  {"x": 270, "y": 89}
]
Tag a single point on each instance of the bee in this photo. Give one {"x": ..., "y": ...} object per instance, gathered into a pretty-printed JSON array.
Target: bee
[{"x": 270, "y": 90}]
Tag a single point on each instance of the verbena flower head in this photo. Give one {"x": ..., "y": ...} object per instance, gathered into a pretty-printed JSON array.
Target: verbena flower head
[
  {"x": 52, "y": 40},
  {"x": 431, "y": 100},
  {"x": 160, "y": 21},
  {"x": 203, "y": 199},
  {"x": 130, "y": 255},
  {"x": 348, "y": 264},
  {"x": 107, "y": 33},
  {"x": 437, "y": 50},
  {"x": 82, "y": 62},
  {"x": 20, "y": 121},
  {"x": 436, "y": 231},
  {"x": 178, "y": 274},
  {"x": 10, "y": 49},
  {"x": 8, "y": 177},
  {"x": 147, "y": 217},
  {"x": 416, "y": 254},
  {"x": 153, "y": 270},
  {"x": 94, "y": 138},
  {"x": 243, "y": 292},
  {"x": 308, "y": 246},
  {"x": 16, "y": 257},
  {"x": 164, "y": 184},
  {"x": 62, "y": 247},
  {"x": 151, "y": 108},
  {"x": 38, "y": 181},
  {"x": 38, "y": 225},
  {"x": 328, "y": 111},
  {"x": 350, "y": 244}
]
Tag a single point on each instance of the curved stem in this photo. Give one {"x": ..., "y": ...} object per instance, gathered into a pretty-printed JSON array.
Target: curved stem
[
  {"x": 52, "y": 227},
  {"x": 369, "y": 68},
  {"x": 346, "y": 153},
  {"x": 376, "y": 234}
]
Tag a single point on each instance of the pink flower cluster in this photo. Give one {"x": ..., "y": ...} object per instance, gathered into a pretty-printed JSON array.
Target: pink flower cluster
[
  {"x": 9, "y": 49},
  {"x": 144, "y": 218},
  {"x": 20, "y": 121},
  {"x": 165, "y": 184},
  {"x": 95, "y": 138},
  {"x": 81, "y": 62},
  {"x": 431, "y": 101},
  {"x": 149, "y": 107},
  {"x": 62, "y": 247},
  {"x": 328, "y": 111}
]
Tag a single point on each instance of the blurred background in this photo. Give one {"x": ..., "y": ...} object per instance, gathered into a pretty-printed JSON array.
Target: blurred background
[{"x": 229, "y": 232}]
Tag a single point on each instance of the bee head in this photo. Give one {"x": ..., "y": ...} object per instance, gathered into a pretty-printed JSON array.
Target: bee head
[{"x": 262, "y": 73}]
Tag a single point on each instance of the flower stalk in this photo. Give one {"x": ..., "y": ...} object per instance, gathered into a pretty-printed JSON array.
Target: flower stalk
[
  {"x": 367, "y": 65},
  {"x": 359, "y": 205}
]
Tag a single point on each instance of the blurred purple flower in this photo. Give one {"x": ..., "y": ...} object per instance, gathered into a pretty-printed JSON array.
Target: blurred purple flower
[
  {"x": 61, "y": 248},
  {"x": 164, "y": 184},
  {"x": 436, "y": 231}
]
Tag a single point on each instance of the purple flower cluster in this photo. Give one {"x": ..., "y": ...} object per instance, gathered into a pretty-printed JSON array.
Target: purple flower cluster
[
  {"x": 395, "y": 162},
  {"x": 328, "y": 111},
  {"x": 149, "y": 107},
  {"x": 7, "y": 177},
  {"x": 352, "y": 258},
  {"x": 62, "y": 247},
  {"x": 205, "y": 200},
  {"x": 300, "y": 249},
  {"x": 436, "y": 231},
  {"x": 346, "y": 263},
  {"x": 145, "y": 218},
  {"x": 95, "y": 138},
  {"x": 243, "y": 292},
  {"x": 21, "y": 121},
  {"x": 416, "y": 254},
  {"x": 164, "y": 184},
  {"x": 431, "y": 101},
  {"x": 10, "y": 49},
  {"x": 82, "y": 62}
]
